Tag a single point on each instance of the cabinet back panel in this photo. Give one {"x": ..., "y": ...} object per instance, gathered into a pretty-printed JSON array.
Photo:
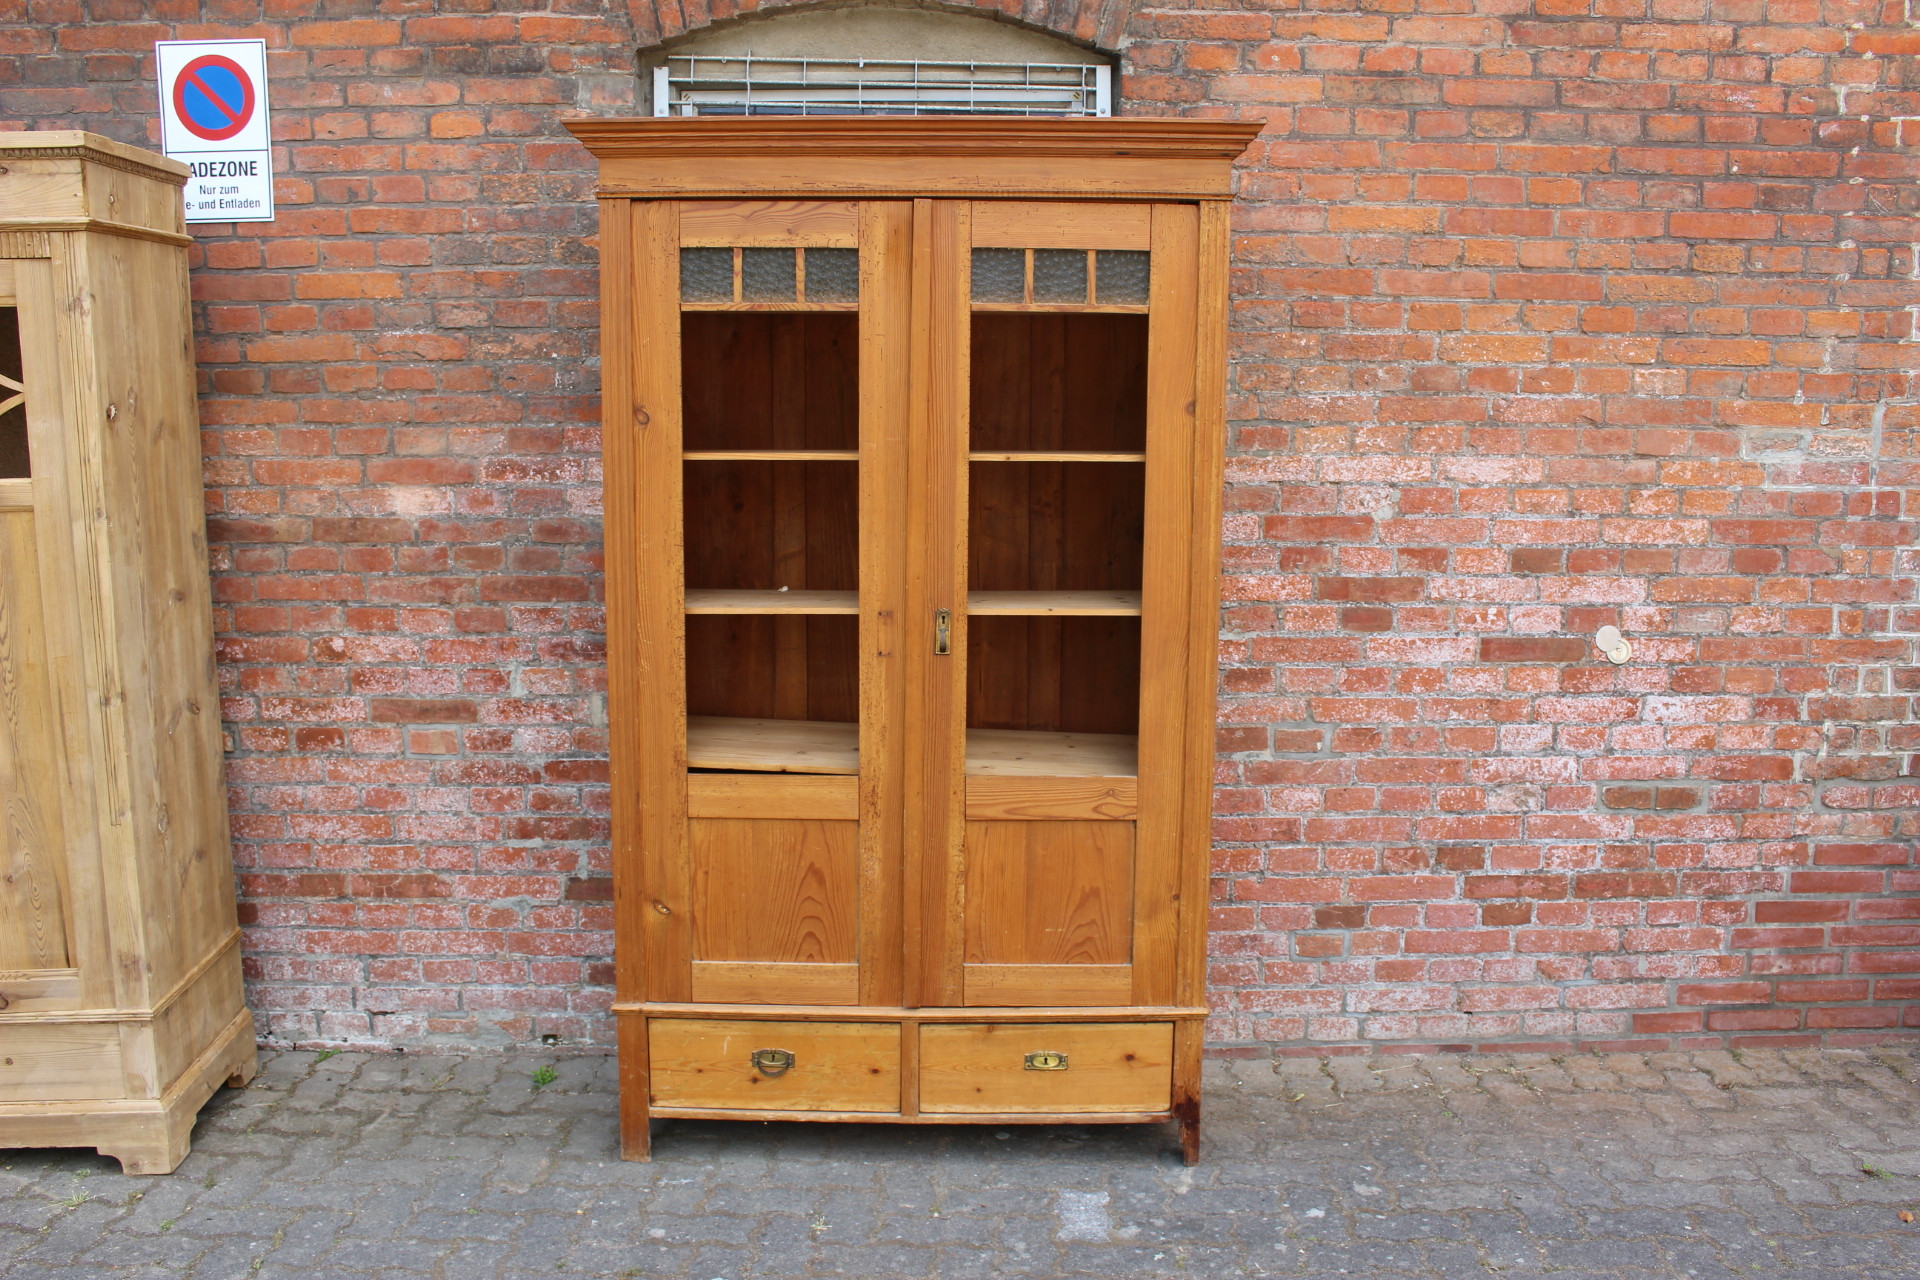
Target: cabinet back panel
[
  {"x": 1055, "y": 526},
  {"x": 756, "y": 380},
  {"x": 775, "y": 889},
  {"x": 1049, "y": 893},
  {"x": 1052, "y": 381},
  {"x": 763, "y": 525},
  {"x": 1074, "y": 675},
  {"x": 33, "y": 933},
  {"x": 773, "y": 668}
]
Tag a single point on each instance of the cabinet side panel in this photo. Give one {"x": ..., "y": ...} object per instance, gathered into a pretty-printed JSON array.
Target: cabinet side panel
[
  {"x": 139, "y": 339},
  {"x": 657, "y": 690},
  {"x": 195, "y": 1018},
  {"x": 617, "y": 429},
  {"x": 1203, "y": 655},
  {"x": 33, "y": 931}
]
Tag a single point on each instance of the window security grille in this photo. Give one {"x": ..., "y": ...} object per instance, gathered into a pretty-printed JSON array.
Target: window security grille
[{"x": 743, "y": 85}]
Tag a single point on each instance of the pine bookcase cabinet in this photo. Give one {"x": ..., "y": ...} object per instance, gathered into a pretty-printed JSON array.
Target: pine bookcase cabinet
[
  {"x": 913, "y": 434},
  {"x": 120, "y": 1000}
]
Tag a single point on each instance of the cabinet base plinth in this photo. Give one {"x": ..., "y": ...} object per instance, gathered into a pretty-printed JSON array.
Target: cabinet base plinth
[
  {"x": 1187, "y": 1130},
  {"x": 891, "y": 1117},
  {"x": 146, "y": 1135}
]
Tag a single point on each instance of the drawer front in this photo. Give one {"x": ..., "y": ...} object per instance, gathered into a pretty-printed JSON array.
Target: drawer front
[
  {"x": 51, "y": 1062},
  {"x": 1095, "y": 1066},
  {"x": 835, "y": 1066}
]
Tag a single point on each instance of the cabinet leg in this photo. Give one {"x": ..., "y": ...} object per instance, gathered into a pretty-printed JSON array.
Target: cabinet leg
[
  {"x": 1188, "y": 1045},
  {"x": 152, "y": 1145},
  {"x": 244, "y": 1065},
  {"x": 636, "y": 1138},
  {"x": 636, "y": 1120}
]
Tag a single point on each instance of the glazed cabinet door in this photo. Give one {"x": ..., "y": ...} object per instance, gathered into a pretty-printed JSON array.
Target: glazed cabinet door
[
  {"x": 1052, "y": 599},
  {"x": 755, "y": 581}
]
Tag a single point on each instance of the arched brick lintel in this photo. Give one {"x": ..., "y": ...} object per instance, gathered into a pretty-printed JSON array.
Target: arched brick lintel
[{"x": 1099, "y": 23}]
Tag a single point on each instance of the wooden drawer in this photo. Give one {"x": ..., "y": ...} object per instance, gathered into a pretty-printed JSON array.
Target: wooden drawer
[
  {"x": 1110, "y": 1066},
  {"x": 837, "y": 1066},
  {"x": 60, "y": 1062}
]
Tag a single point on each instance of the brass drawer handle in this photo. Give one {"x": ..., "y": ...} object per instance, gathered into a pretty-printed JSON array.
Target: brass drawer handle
[
  {"x": 1046, "y": 1060},
  {"x": 773, "y": 1062}
]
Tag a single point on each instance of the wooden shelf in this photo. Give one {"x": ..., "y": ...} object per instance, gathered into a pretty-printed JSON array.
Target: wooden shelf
[
  {"x": 1055, "y": 604},
  {"x": 1025, "y": 753},
  {"x": 725, "y": 600},
  {"x": 772, "y": 746},
  {"x": 16, "y": 494},
  {"x": 994, "y": 455},
  {"x": 772, "y": 455}
]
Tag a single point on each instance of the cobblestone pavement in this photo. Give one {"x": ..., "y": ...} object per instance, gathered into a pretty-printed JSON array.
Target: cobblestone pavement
[{"x": 1703, "y": 1165}]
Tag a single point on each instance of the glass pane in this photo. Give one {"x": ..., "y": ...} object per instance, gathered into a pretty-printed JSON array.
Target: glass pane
[
  {"x": 706, "y": 275},
  {"x": 1122, "y": 276},
  {"x": 14, "y": 461},
  {"x": 999, "y": 275},
  {"x": 768, "y": 275},
  {"x": 1059, "y": 275},
  {"x": 833, "y": 275}
]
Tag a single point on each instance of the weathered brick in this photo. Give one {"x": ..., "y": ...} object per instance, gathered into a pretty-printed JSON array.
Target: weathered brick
[{"x": 1542, "y": 322}]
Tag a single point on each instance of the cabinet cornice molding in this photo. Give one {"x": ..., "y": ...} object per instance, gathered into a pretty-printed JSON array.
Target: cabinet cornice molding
[
  {"x": 77, "y": 144},
  {"x": 849, "y": 157}
]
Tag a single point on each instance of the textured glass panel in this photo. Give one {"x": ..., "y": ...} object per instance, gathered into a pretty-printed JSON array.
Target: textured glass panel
[
  {"x": 14, "y": 463},
  {"x": 833, "y": 275},
  {"x": 1059, "y": 275},
  {"x": 767, "y": 275},
  {"x": 1122, "y": 276},
  {"x": 706, "y": 275},
  {"x": 999, "y": 275}
]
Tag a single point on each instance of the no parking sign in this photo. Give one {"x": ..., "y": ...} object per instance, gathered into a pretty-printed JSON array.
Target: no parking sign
[{"x": 213, "y": 116}]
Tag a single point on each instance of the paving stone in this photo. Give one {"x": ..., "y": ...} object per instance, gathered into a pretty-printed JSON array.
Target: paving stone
[{"x": 1624, "y": 1166}]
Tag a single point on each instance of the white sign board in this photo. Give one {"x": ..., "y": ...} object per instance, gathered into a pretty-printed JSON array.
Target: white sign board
[{"x": 213, "y": 117}]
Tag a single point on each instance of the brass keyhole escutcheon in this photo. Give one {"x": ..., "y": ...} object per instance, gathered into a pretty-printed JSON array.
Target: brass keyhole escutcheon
[
  {"x": 773, "y": 1062},
  {"x": 1046, "y": 1060}
]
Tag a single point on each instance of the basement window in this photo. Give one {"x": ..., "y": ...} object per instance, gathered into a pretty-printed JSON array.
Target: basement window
[
  {"x": 710, "y": 85},
  {"x": 880, "y": 58}
]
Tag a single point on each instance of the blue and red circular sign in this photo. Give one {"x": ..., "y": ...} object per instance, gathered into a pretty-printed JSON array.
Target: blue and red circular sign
[{"x": 214, "y": 97}]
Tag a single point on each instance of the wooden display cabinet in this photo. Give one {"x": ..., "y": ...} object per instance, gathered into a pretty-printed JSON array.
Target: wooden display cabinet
[
  {"x": 121, "y": 1008},
  {"x": 913, "y": 435}
]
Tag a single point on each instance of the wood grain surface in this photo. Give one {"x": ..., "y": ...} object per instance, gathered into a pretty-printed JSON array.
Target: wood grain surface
[
  {"x": 838, "y": 1066},
  {"x": 981, "y": 1067}
]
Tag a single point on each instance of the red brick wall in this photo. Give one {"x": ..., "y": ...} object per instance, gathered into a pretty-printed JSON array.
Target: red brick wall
[{"x": 1546, "y": 316}]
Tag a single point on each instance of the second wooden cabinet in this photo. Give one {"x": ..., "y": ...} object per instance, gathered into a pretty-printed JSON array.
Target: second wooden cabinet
[{"x": 912, "y": 435}]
